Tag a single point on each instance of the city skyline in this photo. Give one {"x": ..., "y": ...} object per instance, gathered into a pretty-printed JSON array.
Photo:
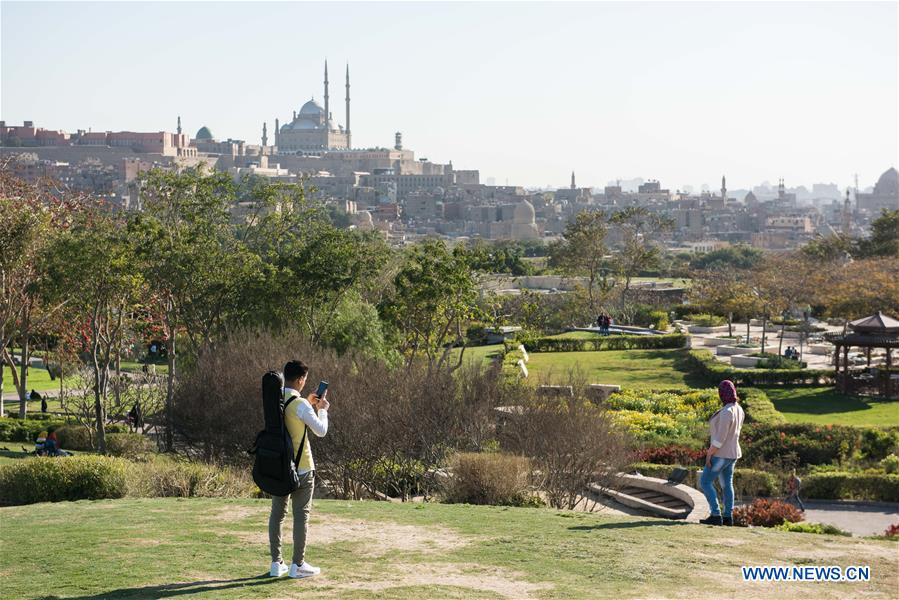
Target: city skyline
[{"x": 788, "y": 100}]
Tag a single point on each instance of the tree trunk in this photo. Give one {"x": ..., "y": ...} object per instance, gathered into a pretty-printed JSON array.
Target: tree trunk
[
  {"x": 170, "y": 392},
  {"x": 764, "y": 331},
  {"x": 730, "y": 324},
  {"x": 100, "y": 376},
  {"x": 23, "y": 376},
  {"x": 780, "y": 345},
  {"x": 747, "y": 329}
]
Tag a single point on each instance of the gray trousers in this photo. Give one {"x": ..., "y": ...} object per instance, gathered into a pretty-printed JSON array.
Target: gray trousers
[{"x": 302, "y": 504}]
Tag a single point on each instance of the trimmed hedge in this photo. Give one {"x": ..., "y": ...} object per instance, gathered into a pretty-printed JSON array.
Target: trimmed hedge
[
  {"x": 56, "y": 479},
  {"x": 24, "y": 430},
  {"x": 841, "y": 485},
  {"x": 602, "y": 342},
  {"x": 704, "y": 364},
  {"x": 747, "y": 482},
  {"x": 759, "y": 408},
  {"x": 812, "y": 444}
]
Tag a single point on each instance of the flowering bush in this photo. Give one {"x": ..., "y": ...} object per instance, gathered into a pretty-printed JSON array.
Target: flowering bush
[
  {"x": 671, "y": 415},
  {"x": 892, "y": 530},
  {"x": 670, "y": 455},
  {"x": 766, "y": 513}
]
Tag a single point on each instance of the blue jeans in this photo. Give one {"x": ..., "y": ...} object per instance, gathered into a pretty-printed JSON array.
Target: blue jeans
[{"x": 722, "y": 469}]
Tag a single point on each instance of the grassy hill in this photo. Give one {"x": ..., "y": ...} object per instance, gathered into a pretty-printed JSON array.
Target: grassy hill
[
  {"x": 210, "y": 548},
  {"x": 656, "y": 369}
]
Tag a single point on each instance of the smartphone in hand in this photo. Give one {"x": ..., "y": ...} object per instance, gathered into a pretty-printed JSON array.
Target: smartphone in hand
[{"x": 322, "y": 389}]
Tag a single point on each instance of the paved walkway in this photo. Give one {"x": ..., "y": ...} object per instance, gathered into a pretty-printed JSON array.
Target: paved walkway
[{"x": 860, "y": 518}]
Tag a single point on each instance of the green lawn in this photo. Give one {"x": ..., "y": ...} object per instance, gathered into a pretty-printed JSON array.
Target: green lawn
[
  {"x": 575, "y": 335},
  {"x": 823, "y": 406},
  {"x": 212, "y": 548},
  {"x": 631, "y": 368},
  {"x": 38, "y": 379},
  {"x": 484, "y": 354}
]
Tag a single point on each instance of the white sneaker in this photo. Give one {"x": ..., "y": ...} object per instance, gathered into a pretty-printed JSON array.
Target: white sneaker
[
  {"x": 278, "y": 569},
  {"x": 303, "y": 570}
]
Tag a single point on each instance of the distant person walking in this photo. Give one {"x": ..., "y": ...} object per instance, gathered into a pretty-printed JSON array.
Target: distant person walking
[
  {"x": 722, "y": 455},
  {"x": 793, "y": 486},
  {"x": 301, "y": 416}
]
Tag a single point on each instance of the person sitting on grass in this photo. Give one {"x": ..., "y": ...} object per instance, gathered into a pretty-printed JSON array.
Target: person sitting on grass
[{"x": 722, "y": 455}]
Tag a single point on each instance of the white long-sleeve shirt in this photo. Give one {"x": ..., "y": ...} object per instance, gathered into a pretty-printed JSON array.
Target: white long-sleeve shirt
[
  {"x": 300, "y": 414},
  {"x": 725, "y": 426}
]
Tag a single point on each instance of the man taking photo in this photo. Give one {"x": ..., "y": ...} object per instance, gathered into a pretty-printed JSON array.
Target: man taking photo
[{"x": 301, "y": 416}]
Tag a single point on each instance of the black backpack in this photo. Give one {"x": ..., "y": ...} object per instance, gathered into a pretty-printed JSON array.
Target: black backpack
[{"x": 274, "y": 469}]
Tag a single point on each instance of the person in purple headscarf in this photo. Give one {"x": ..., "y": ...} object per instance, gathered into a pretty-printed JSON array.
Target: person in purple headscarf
[{"x": 722, "y": 455}]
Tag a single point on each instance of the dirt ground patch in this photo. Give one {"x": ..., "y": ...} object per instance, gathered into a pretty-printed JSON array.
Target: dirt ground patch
[
  {"x": 375, "y": 538},
  {"x": 506, "y": 583}
]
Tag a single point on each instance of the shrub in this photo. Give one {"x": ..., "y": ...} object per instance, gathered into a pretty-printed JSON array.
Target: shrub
[
  {"x": 812, "y": 444},
  {"x": 705, "y": 320},
  {"x": 55, "y": 479},
  {"x": 703, "y": 364},
  {"x": 24, "y": 430},
  {"x": 78, "y": 437},
  {"x": 820, "y": 528},
  {"x": 571, "y": 442},
  {"x": 600, "y": 342},
  {"x": 164, "y": 477},
  {"x": 764, "y": 512},
  {"x": 773, "y": 361},
  {"x": 892, "y": 531},
  {"x": 134, "y": 446},
  {"x": 842, "y": 485},
  {"x": 659, "y": 320},
  {"x": 877, "y": 443},
  {"x": 490, "y": 478},
  {"x": 671, "y": 455},
  {"x": 890, "y": 464},
  {"x": 759, "y": 408}
]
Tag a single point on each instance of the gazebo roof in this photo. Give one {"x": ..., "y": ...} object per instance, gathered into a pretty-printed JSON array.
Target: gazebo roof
[
  {"x": 876, "y": 324},
  {"x": 863, "y": 340}
]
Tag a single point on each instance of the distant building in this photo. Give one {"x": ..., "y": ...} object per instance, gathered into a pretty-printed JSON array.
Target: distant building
[
  {"x": 885, "y": 194},
  {"x": 313, "y": 130}
]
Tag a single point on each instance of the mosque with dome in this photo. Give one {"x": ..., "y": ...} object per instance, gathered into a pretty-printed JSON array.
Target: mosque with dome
[{"x": 313, "y": 129}]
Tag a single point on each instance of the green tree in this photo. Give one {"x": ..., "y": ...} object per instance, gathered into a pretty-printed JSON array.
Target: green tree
[
  {"x": 734, "y": 257},
  {"x": 433, "y": 300},
  {"x": 582, "y": 251},
  {"x": 202, "y": 279},
  {"x": 29, "y": 221},
  {"x": 639, "y": 249},
  {"x": 92, "y": 264},
  {"x": 884, "y": 238}
]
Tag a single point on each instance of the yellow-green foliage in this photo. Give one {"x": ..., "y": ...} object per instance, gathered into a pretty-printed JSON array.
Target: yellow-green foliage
[
  {"x": 669, "y": 414},
  {"x": 69, "y": 478}
]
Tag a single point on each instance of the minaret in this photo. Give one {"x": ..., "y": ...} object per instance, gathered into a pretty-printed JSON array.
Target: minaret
[
  {"x": 723, "y": 190},
  {"x": 264, "y": 135},
  {"x": 847, "y": 212},
  {"x": 573, "y": 186},
  {"x": 327, "y": 104},
  {"x": 349, "y": 143},
  {"x": 179, "y": 125},
  {"x": 277, "y": 133}
]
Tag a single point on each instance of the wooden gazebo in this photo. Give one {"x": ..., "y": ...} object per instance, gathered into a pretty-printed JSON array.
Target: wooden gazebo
[{"x": 876, "y": 331}]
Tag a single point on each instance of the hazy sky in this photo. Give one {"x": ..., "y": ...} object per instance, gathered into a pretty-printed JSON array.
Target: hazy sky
[{"x": 525, "y": 92}]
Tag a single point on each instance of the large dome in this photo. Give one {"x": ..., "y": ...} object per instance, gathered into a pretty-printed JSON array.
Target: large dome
[
  {"x": 304, "y": 124},
  {"x": 524, "y": 213},
  {"x": 312, "y": 108},
  {"x": 204, "y": 134},
  {"x": 888, "y": 184}
]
